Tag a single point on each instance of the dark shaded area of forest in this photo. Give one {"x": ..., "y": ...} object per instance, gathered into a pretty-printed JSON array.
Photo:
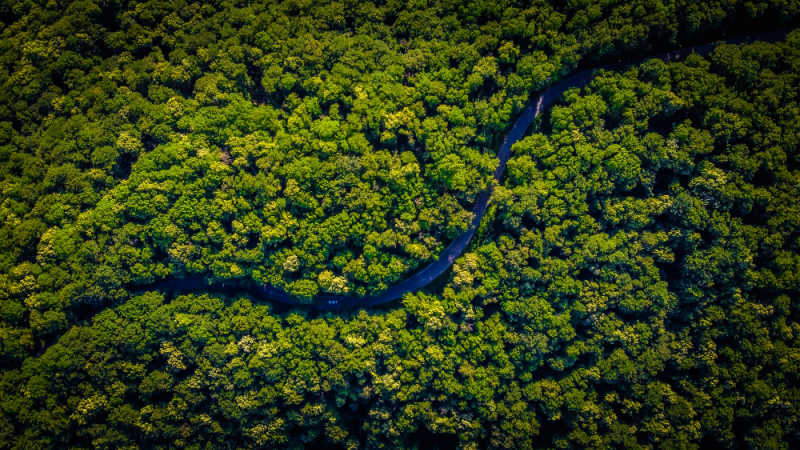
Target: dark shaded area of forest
[{"x": 633, "y": 283}]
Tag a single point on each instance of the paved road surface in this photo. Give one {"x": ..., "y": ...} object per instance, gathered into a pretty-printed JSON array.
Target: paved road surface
[{"x": 331, "y": 302}]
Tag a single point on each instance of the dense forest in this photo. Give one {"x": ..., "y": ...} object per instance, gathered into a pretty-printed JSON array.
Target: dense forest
[{"x": 634, "y": 283}]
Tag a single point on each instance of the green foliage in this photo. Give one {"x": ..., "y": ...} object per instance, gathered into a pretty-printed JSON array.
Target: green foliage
[{"x": 632, "y": 285}]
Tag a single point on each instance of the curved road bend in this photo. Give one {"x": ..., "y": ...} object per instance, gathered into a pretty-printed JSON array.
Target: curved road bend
[{"x": 420, "y": 279}]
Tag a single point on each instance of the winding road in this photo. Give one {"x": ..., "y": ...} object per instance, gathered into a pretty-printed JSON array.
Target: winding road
[{"x": 420, "y": 279}]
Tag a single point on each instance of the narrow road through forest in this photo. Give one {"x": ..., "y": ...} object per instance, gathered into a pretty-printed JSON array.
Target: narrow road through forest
[{"x": 420, "y": 279}]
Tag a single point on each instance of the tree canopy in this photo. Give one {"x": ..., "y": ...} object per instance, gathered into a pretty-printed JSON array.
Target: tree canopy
[{"x": 632, "y": 285}]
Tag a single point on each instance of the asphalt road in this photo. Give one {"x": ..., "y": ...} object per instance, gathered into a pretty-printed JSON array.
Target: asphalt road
[{"x": 420, "y": 279}]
